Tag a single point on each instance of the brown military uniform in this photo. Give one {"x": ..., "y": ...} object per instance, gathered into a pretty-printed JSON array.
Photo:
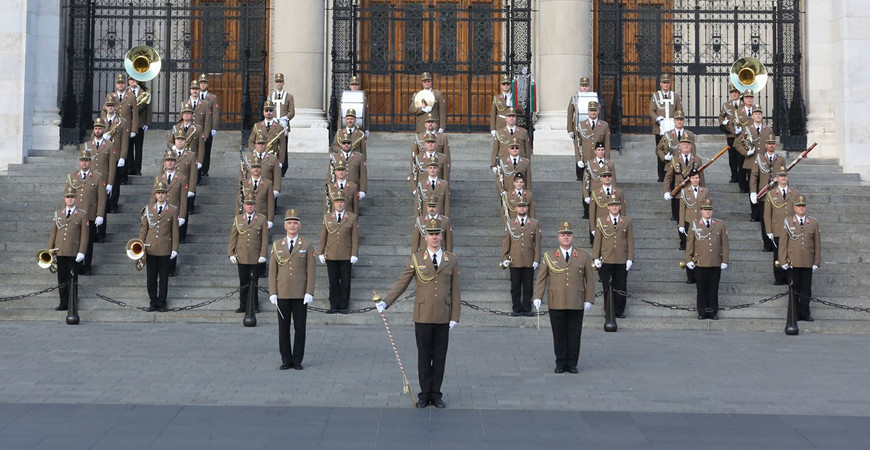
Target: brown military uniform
[
  {"x": 104, "y": 158},
  {"x": 193, "y": 138},
  {"x": 357, "y": 172},
  {"x": 592, "y": 174},
  {"x": 521, "y": 244},
  {"x": 751, "y": 140},
  {"x": 213, "y": 111},
  {"x": 587, "y": 136},
  {"x": 568, "y": 285},
  {"x": 658, "y": 107},
  {"x": 777, "y": 208},
  {"x": 762, "y": 171},
  {"x": 118, "y": 131},
  {"x": 438, "y": 296},
  {"x": 285, "y": 106},
  {"x": 598, "y": 204},
  {"x": 269, "y": 168},
  {"x": 177, "y": 194},
  {"x": 202, "y": 118},
  {"x": 339, "y": 241},
  {"x": 708, "y": 247},
  {"x": 439, "y": 111},
  {"x": 523, "y": 166},
  {"x": 502, "y": 141},
  {"x": 441, "y": 193},
  {"x": 801, "y": 246},
  {"x": 615, "y": 242},
  {"x": 69, "y": 236},
  {"x": 423, "y": 159},
  {"x": 690, "y": 204},
  {"x": 350, "y": 192},
  {"x": 263, "y": 196},
  {"x": 357, "y": 140},
  {"x": 159, "y": 230},
  {"x": 670, "y": 143},
  {"x": 127, "y": 108},
  {"x": 91, "y": 193},
  {"x": 497, "y": 112},
  {"x": 678, "y": 170},
  {"x": 291, "y": 275},
  {"x": 513, "y": 197},
  {"x": 442, "y": 144},
  {"x": 249, "y": 242},
  {"x": 186, "y": 165},
  {"x": 418, "y": 238},
  {"x": 274, "y": 133}
]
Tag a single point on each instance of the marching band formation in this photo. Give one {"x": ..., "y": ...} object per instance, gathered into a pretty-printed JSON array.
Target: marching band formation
[{"x": 566, "y": 274}]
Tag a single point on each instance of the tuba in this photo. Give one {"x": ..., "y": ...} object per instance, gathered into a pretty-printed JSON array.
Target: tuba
[
  {"x": 136, "y": 252},
  {"x": 47, "y": 259},
  {"x": 748, "y": 73},
  {"x": 142, "y": 63},
  {"x": 423, "y": 98}
]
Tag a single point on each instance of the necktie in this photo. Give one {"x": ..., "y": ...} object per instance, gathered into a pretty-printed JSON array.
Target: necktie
[
  {"x": 185, "y": 129},
  {"x": 566, "y": 257},
  {"x": 512, "y": 131},
  {"x": 505, "y": 98},
  {"x": 339, "y": 217},
  {"x": 256, "y": 183},
  {"x": 600, "y": 162},
  {"x": 280, "y": 96},
  {"x": 593, "y": 124},
  {"x": 194, "y": 104},
  {"x": 686, "y": 158},
  {"x": 292, "y": 243},
  {"x": 98, "y": 144},
  {"x": 435, "y": 260},
  {"x": 169, "y": 179},
  {"x": 522, "y": 223},
  {"x": 84, "y": 176},
  {"x": 69, "y": 211},
  {"x": 515, "y": 162},
  {"x": 249, "y": 219},
  {"x": 433, "y": 185},
  {"x": 519, "y": 193},
  {"x": 759, "y": 129},
  {"x": 607, "y": 191},
  {"x": 202, "y": 96},
  {"x": 679, "y": 135},
  {"x": 783, "y": 193},
  {"x": 110, "y": 123},
  {"x": 708, "y": 223},
  {"x": 268, "y": 125},
  {"x": 696, "y": 191},
  {"x": 159, "y": 210},
  {"x": 771, "y": 159},
  {"x": 802, "y": 220},
  {"x": 735, "y": 104},
  {"x": 341, "y": 186}
]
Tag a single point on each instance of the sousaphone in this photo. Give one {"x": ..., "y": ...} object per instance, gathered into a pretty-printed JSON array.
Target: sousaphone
[
  {"x": 748, "y": 73},
  {"x": 142, "y": 63}
]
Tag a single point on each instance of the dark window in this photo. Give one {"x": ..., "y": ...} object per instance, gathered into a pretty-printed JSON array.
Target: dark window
[
  {"x": 446, "y": 63},
  {"x": 649, "y": 44},
  {"x": 481, "y": 34},
  {"x": 214, "y": 38},
  {"x": 413, "y": 42}
]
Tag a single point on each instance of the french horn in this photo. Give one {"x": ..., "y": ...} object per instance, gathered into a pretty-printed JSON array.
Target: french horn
[{"x": 136, "y": 252}]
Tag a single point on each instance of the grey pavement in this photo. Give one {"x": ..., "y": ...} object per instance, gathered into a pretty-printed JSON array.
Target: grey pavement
[{"x": 176, "y": 385}]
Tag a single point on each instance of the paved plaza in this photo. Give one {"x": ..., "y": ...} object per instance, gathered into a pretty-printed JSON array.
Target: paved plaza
[{"x": 137, "y": 385}]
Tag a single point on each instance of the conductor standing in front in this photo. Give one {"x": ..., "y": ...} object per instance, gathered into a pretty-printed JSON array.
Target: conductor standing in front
[{"x": 436, "y": 310}]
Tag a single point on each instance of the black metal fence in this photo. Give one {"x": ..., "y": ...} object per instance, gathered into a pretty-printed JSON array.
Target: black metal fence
[
  {"x": 466, "y": 45},
  {"x": 696, "y": 42},
  {"x": 224, "y": 39}
]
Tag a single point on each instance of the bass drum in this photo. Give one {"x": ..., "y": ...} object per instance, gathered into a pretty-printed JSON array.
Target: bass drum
[{"x": 355, "y": 100}]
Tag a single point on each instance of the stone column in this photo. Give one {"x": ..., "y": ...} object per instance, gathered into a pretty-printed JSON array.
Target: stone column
[
  {"x": 29, "y": 113},
  {"x": 563, "y": 32},
  {"x": 298, "y": 42}
]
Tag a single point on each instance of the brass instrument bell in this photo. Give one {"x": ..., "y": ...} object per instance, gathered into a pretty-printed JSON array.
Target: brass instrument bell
[
  {"x": 136, "y": 252},
  {"x": 46, "y": 259},
  {"x": 748, "y": 73},
  {"x": 142, "y": 63}
]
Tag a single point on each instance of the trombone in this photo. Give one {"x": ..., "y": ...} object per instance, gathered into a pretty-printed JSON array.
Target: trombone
[
  {"x": 47, "y": 259},
  {"x": 136, "y": 252}
]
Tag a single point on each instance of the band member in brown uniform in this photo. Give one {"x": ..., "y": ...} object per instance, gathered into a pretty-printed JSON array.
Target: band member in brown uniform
[
  {"x": 510, "y": 166},
  {"x": 350, "y": 130},
  {"x": 694, "y": 195},
  {"x": 521, "y": 251},
  {"x": 778, "y": 204},
  {"x": 91, "y": 189},
  {"x": 285, "y": 111},
  {"x": 589, "y": 133},
  {"x": 186, "y": 165},
  {"x": 354, "y": 85},
  {"x": 442, "y": 144},
  {"x": 214, "y": 121},
  {"x": 509, "y": 135},
  {"x": 272, "y": 130},
  {"x": 192, "y": 134},
  {"x": 338, "y": 249},
  {"x": 269, "y": 166},
  {"x": 128, "y": 108},
  {"x": 763, "y": 171},
  {"x": 143, "y": 103},
  {"x": 592, "y": 176},
  {"x": 800, "y": 253},
  {"x": 249, "y": 242},
  {"x": 418, "y": 236},
  {"x": 201, "y": 117},
  {"x": 668, "y": 147},
  {"x": 159, "y": 231},
  {"x": 117, "y": 131},
  {"x": 600, "y": 198},
  {"x": 500, "y": 103},
  {"x": 566, "y": 277},
  {"x": 663, "y": 104},
  {"x": 357, "y": 171},
  {"x": 613, "y": 254},
  {"x": 519, "y": 191},
  {"x": 436, "y": 310},
  {"x": 677, "y": 170},
  {"x": 343, "y": 187},
  {"x": 727, "y": 123},
  {"x": 749, "y": 144},
  {"x": 743, "y": 116},
  {"x": 707, "y": 255},
  {"x": 438, "y": 110},
  {"x": 291, "y": 288},
  {"x": 430, "y": 150},
  {"x": 70, "y": 237}
]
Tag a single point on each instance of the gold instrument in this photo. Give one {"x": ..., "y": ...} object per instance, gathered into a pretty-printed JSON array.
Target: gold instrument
[
  {"x": 683, "y": 264},
  {"x": 778, "y": 264},
  {"x": 136, "y": 252},
  {"x": 272, "y": 142},
  {"x": 748, "y": 73},
  {"x": 143, "y": 98},
  {"x": 47, "y": 259},
  {"x": 142, "y": 63},
  {"x": 423, "y": 98}
]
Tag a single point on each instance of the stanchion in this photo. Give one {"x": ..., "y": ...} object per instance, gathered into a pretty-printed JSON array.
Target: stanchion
[
  {"x": 610, "y": 320},
  {"x": 72, "y": 316},
  {"x": 250, "y": 319},
  {"x": 791, "y": 326}
]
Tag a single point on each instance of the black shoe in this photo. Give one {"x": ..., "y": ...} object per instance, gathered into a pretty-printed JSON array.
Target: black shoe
[
  {"x": 733, "y": 180},
  {"x": 690, "y": 281},
  {"x": 343, "y": 311},
  {"x": 744, "y": 191},
  {"x": 529, "y": 314},
  {"x": 701, "y": 316},
  {"x": 205, "y": 174},
  {"x": 298, "y": 366},
  {"x": 422, "y": 403},
  {"x": 285, "y": 366},
  {"x": 682, "y": 247},
  {"x": 181, "y": 241},
  {"x": 674, "y": 218},
  {"x": 660, "y": 180},
  {"x": 150, "y": 309},
  {"x": 240, "y": 310},
  {"x": 809, "y": 319},
  {"x": 438, "y": 403},
  {"x": 171, "y": 274},
  {"x": 573, "y": 369},
  {"x": 752, "y": 219},
  {"x": 61, "y": 308},
  {"x": 766, "y": 249},
  {"x": 585, "y": 215},
  {"x": 330, "y": 311},
  {"x": 163, "y": 309},
  {"x": 779, "y": 283},
  {"x": 559, "y": 369},
  {"x": 515, "y": 314},
  {"x": 86, "y": 272},
  {"x": 714, "y": 317},
  {"x": 621, "y": 316}
]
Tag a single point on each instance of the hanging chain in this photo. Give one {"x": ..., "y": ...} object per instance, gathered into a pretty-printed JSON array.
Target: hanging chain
[{"x": 32, "y": 294}]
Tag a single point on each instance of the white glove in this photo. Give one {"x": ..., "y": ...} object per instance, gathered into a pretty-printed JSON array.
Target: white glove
[
  {"x": 628, "y": 265},
  {"x": 367, "y": 134},
  {"x": 270, "y": 224},
  {"x": 362, "y": 195},
  {"x": 144, "y": 128},
  {"x": 233, "y": 259},
  {"x": 596, "y": 262},
  {"x": 283, "y": 121},
  {"x": 682, "y": 230},
  {"x": 261, "y": 259},
  {"x": 108, "y": 189},
  {"x": 588, "y": 200},
  {"x": 725, "y": 122},
  {"x": 668, "y": 196},
  {"x": 815, "y": 267},
  {"x": 738, "y": 130},
  {"x": 273, "y": 299},
  {"x": 440, "y": 130},
  {"x": 506, "y": 263},
  {"x": 381, "y": 306},
  {"x": 132, "y": 134},
  {"x": 452, "y": 324},
  {"x": 414, "y": 192},
  {"x": 190, "y": 194},
  {"x": 537, "y": 303},
  {"x": 770, "y": 236},
  {"x": 322, "y": 259},
  {"x": 280, "y": 165},
  {"x": 213, "y": 132},
  {"x": 121, "y": 162},
  {"x": 493, "y": 133},
  {"x": 784, "y": 267},
  {"x": 81, "y": 257},
  {"x": 690, "y": 265},
  {"x": 198, "y": 165},
  {"x": 307, "y": 299},
  {"x": 494, "y": 170},
  {"x": 723, "y": 266},
  {"x": 275, "y": 193},
  {"x": 593, "y": 232},
  {"x": 98, "y": 221},
  {"x": 427, "y": 109},
  {"x": 586, "y": 306},
  {"x": 535, "y": 265},
  {"x": 753, "y": 197},
  {"x": 181, "y": 221},
  {"x": 580, "y": 164},
  {"x": 659, "y": 118},
  {"x": 354, "y": 259},
  {"x": 669, "y": 156},
  {"x": 571, "y": 134},
  {"x": 750, "y": 152},
  {"x": 173, "y": 255}
]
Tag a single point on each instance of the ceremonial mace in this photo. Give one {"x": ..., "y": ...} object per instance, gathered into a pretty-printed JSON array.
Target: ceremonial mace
[{"x": 407, "y": 386}]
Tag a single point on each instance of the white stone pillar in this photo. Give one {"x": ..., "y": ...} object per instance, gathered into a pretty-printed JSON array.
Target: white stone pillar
[
  {"x": 299, "y": 37},
  {"x": 563, "y": 32},
  {"x": 30, "y": 44}
]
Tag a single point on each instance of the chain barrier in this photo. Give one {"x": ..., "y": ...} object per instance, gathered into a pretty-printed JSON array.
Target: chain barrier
[
  {"x": 176, "y": 309},
  {"x": 350, "y": 311},
  {"x": 32, "y": 294},
  {"x": 840, "y": 306},
  {"x": 505, "y": 313},
  {"x": 695, "y": 308}
]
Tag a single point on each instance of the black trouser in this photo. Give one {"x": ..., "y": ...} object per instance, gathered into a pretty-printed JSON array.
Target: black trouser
[
  {"x": 707, "y": 284},
  {"x": 660, "y": 165},
  {"x": 182, "y": 230},
  {"x": 206, "y": 158},
  {"x": 291, "y": 310},
  {"x": 92, "y": 233},
  {"x": 801, "y": 279},
  {"x": 567, "y": 325},
  {"x": 735, "y": 159},
  {"x": 614, "y": 275},
  {"x": 284, "y": 167},
  {"x": 67, "y": 269},
  {"x": 339, "y": 283},
  {"x": 112, "y": 201},
  {"x": 683, "y": 235},
  {"x": 780, "y": 276},
  {"x": 768, "y": 243},
  {"x": 690, "y": 274},
  {"x": 157, "y": 273},
  {"x": 755, "y": 211},
  {"x": 249, "y": 275},
  {"x": 675, "y": 207},
  {"x": 136, "y": 152},
  {"x": 173, "y": 264},
  {"x": 521, "y": 288},
  {"x": 585, "y": 209},
  {"x": 432, "y": 340},
  {"x": 743, "y": 178}
]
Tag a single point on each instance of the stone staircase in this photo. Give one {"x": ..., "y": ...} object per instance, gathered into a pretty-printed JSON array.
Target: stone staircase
[{"x": 841, "y": 202}]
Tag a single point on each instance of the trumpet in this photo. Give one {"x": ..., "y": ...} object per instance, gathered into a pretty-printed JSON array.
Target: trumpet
[
  {"x": 47, "y": 259},
  {"x": 136, "y": 252},
  {"x": 683, "y": 264},
  {"x": 779, "y": 264}
]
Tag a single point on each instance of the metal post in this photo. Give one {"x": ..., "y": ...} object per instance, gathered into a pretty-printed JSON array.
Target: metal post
[
  {"x": 250, "y": 319},
  {"x": 791, "y": 326},
  {"x": 610, "y": 321},
  {"x": 72, "y": 317}
]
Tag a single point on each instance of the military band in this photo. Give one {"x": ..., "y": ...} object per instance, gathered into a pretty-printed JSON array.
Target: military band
[
  {"x": 521, "y": 251},
  {"x": 68, "y": 242},
  {"x": 778, "y": 204},
  {"x": 158, "y": 230},
  {"x": 800, "y": 254},
  {"x": 90, "y": 187},
  {"x": 249, "y": 243},
  {"x": 143, "y": 102},
  {"x": 613, "y": 254},
  {"x": 707, "y": 255},
  {"x": 763, "y": 171},
  {"x": 339, "y": 250}
]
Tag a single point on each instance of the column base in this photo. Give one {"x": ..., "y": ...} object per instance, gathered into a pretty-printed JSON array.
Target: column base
[
  {"x": 309, "y": 132},
  {"x": 550, "y": 135}
]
